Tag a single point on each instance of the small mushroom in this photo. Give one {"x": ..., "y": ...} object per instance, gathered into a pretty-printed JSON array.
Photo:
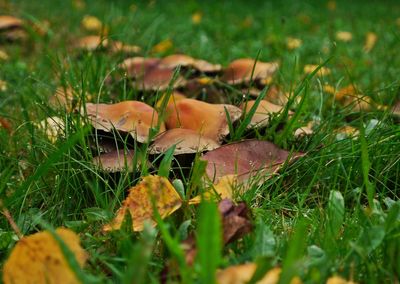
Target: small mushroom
[
  {"x": 183, "y": 60},
  {"x": 119, "y": 46},
  {"x": 137, "y": 66},
  {"x": 133, "y": 117},
  {"x": 115, "y": 161},
  {"x": 241, "y": 71},
  {"x": 91, "y": 43},
  {"x": 263, "y": 112},
  {"x": 159, "y": 79},
  {"x": 187, "y": 141},
  {"x": 244, "y": 159},
  {"x": 206, "y": 119},
  {"x": 11, "y": 28}
]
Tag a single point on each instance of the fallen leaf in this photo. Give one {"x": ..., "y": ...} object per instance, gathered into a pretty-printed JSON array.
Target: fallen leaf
[
  {"x": 139, "y": 203},
  {"x": 293, "y": 43},
  {"x": 3, "y": 86},
  {"x": 92, "y": 24},
  {"x": 197, "y": 17},
  {"x": 187, "y": 141},
  {"x": 115, "y": 161},
  {"x": 370, "y": 41},
  {"x": 235, "y": 224},
  {"x": 224, "y": 189},
  {"x": 207, "y": 119},
  {"x": 338, "y": 280},
  {"x": 38, "y": 259},
  {"x": 344, "y": 36},
  {"x": 323, "y": 71},
  {"x": 133, "y": 117},
  {"x": 4, "y": 123},
  {"x": 162, "y": 46},
  {"x": 242, "y": 273},
  {"x": 351, "y": 97},
  {"x": 245, "y": 159},
  {"x": 329, "y": 89},
  {"x": 3, "y": 55}
]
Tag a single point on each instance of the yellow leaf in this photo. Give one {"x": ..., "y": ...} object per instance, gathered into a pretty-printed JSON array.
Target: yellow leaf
[
  {"x": 38, "y": 259},
  {"x": 329, "y": 89},
  {"x": 139, "y": 203},
  {"x": 91, "y": 23},
  {"x": 3, "y": 55},
  {"x": 370, "y": 41},
  {"x": 293, "y": 43},
  {"x": 223, "y": 189},
  {"x": 241, "y": 274},
  {"x": 162, "y": 46},
  {"x": 338, "y": 280},
  {"x": 309, "y": 68},
  {"x": 3, "y": 86},
  {"x": 344, "y": 36},
  {"x": 197, "y": 17}
]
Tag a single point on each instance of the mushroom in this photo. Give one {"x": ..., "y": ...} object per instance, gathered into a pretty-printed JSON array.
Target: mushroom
[
  {"x": 133, "y": 117},
  {"x": 241, "y": 71},
  {"x": 138, "y": 66},
  {"x": 245, "y": 158},
  {"x": 183, "y": 60},
  {"x": 187, "y": 141},
  {"x": 91, "y": 43},
  {"x": 159, "y": 79},
  {"x": 263, "y": 112},
  {"x": 206, "y": 119},
  {"x": 115, "y": 161},
  {"x": 11, "y": 28}
]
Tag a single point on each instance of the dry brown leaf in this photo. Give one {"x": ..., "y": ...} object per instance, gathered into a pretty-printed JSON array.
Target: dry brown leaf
[
  {"x": 4, "y": 123},
  {"x": 245, "y": 159},
  {"x": 38, "y": 259},
  {"x": 241, "y": 274},
  {"x": 370, "y": 41},
  {"x": 344, "y": 36},
  {"x": 350, "y": 96},
  {"x": 139, "y": 203},
  {"x": 133, "y": 117},
  {"x": 207, "y": 119},
  {"x": 323, "y": 71},
  {"x": 187, "y": 141}
]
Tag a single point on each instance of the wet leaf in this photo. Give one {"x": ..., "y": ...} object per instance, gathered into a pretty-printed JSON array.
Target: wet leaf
[
  {"x": 245, "y": 159},
  {"x": 152, "y": 193},
  {"x": 38, "y": 258}
]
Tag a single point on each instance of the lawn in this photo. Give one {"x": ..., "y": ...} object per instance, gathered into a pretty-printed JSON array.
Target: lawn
[{"x": 331, "y": 211}]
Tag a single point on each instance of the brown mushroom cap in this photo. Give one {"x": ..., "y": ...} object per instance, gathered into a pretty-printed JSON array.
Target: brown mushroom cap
[
  {"x": 159, "y": 79},
  {"x": 138, "y": 66},
  {"x": 240, "y": 71},
  {"x": 115, "y": 161},
  {"x": 174, "y": 60},
  {"x": 206, "y": 119},
  {"x": 91, "y": 43},
  {"x": 263, "y": 112},
  {"x": 8, "y": 22},
  {"x": 187, "y": 141},
  {"x": 133, "y": 117},
  {"x": 244, "y": 159}
]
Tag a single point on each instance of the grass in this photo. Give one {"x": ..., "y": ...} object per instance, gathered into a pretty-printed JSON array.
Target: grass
[{"x": 335, "y": 211}]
